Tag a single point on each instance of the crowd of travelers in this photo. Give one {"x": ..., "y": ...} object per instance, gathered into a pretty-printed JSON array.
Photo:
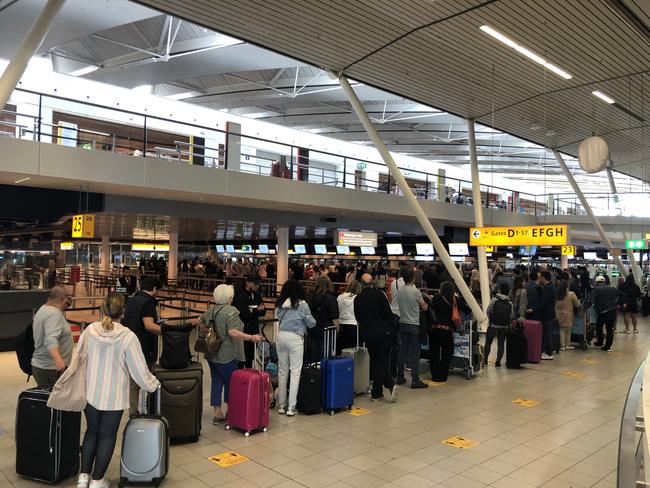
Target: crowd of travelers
[{"x": 384, "y": 309}]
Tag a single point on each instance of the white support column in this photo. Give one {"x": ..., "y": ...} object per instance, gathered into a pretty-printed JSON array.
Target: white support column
[
  {"x": 603, "y": 235},
  {"x": 626, "y": 235},
  {"x": 564, "y": 261},
  {"x": 478, "y": 215},
  {"x": 233, "y": 146},
  {"x": 105, "y": 254},
  {"x": 413, "y": 203},
  {"x": 27, "y": 49},
  {"x": 282, "y": 261},
  {"x": 172, "y": 262}
]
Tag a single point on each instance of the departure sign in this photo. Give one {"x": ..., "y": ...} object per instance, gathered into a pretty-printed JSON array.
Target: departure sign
[
  {"x": 635, "y": 244},
  {"x": 537, "y": 235},
  {"x": 356, "y": 239},
  {"x": 83, "y": 226},
  {"x": 568, "y": 250}
]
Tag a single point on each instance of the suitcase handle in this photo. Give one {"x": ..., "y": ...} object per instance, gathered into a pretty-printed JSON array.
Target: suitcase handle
[
  {"x": 329, "y": 345},
  {"x": 143, "y": 401}
]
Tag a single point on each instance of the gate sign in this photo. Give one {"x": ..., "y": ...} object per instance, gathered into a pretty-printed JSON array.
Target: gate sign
[
  {"x": 536, "y": 235},
  {"x": 568, "y": 250},
  {"x": 83, "y": 226},
  {"x": 356, "y": 239},
  {"x": 635, "y": 244}
]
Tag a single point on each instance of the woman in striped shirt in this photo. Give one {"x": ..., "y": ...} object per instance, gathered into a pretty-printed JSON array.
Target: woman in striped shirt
[{"x": 113, "y": 355}]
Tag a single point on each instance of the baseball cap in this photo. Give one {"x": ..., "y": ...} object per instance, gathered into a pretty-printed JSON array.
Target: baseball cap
[
  {"x": 600, "y": 279},
  {"x": 255, "y": 279}
]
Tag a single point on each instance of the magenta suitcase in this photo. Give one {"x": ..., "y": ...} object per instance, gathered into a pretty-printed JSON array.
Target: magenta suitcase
[
  {"x": 248, "y": 405},
  {"x": 533, "y": 333}
]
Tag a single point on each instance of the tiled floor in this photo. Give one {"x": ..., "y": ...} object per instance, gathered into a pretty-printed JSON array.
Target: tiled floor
[{"x": 568, "y": 440}]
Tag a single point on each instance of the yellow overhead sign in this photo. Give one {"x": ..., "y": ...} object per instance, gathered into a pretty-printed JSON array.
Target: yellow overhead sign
[
  {"x": 83, "y": 226},
  {"x": 536, "y": 235},
  {"x": 568, "y": 250}
]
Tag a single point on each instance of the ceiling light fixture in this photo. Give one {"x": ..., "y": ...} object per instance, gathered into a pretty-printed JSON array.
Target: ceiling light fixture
[
  {"x": 603, "y": 97},
  {"x": 22, "y": 180},
  {"x": 526, "y": 52},
  {"x": 180, "y": 96},
  {"x": 83, "y": 71},
  {"x": 142, "y": 89}
]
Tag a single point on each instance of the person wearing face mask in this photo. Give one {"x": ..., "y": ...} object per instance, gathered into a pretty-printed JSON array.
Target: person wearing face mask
[{"x": 53, "y": 343}]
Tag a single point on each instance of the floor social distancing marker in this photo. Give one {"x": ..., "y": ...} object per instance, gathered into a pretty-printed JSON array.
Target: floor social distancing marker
[
  {"x": 460, "y": 442},
  {"x": 525, "y": 403},
  {"x": 357, "y": 411},
  {"x": 227, "y": 459},
  {"x": 433, "y": 383},
  {"x": 574, "y": 374},
  {"x": 589, "y": 361}
]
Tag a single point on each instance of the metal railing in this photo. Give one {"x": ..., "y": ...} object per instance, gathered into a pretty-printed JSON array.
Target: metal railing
[{"x": 632, "y": 442}]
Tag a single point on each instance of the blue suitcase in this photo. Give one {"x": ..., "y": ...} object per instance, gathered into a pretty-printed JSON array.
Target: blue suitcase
[{"x": 337, "y": 377}]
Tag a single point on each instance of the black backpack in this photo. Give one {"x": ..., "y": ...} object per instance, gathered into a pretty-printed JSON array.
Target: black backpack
[
  {"x": 176, "y": 347},
  {"x": 25, "y": 349},
  {"x": 501, "y": 312}
]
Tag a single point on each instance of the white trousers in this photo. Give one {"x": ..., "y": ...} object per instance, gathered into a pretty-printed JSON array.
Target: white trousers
[{"x": 290, "y": 347}]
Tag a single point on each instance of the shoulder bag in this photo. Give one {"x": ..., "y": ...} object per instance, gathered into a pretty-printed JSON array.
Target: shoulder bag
[
  {"x": 208, "y": 339},
  {"x": 69, "y": 392},
  {"x": 455, "y": 314}
]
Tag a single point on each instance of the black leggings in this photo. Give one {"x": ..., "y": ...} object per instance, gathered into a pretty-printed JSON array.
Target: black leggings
[
  {"x": 99, "y": 441},
  {"x": 500, "y": 333}
]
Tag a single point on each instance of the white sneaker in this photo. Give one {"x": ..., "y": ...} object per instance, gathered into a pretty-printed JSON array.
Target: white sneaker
[
  {"x": 291, "y": 412},
  {"x": 568, "y": 348},
  {"x": 393, "y": 394},
  {"x": 103, "y": 483},
  {"x": 83, "y": 480},
  {"x": 282, "y": 410},
  {"x": 562, "y": 349},
  {"x": 547, "y": 356}
]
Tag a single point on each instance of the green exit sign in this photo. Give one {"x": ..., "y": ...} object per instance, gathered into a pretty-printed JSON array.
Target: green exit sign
[
  {"x": 635, "y": 244},
  {"x": 361, "y": 166}
]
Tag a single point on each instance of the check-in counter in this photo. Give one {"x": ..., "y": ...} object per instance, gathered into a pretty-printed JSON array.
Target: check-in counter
[{"x": 17, "y": 308}]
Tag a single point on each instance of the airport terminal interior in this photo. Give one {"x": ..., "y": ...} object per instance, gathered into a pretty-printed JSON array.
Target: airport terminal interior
[{"x": 431, "y": 219}]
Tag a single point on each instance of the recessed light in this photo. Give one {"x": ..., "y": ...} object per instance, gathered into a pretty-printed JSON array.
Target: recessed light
[
  {"x": 525, "y": 51},
  {"x": 83, "y": 71},
  {"x": 603, "y": 97}
]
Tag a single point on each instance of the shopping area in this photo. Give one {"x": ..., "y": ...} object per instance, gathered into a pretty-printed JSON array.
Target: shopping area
[{"x": 180, "y": 150}]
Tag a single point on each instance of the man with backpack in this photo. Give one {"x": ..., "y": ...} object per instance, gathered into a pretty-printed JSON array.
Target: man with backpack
[
  {"x": 53, "y": 343},
  {"x": 500, "y": 313}
]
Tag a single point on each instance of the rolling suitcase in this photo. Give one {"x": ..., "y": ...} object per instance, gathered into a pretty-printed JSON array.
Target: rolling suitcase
[
  {"x": 181, "y": 400},
  {"x": 533, "y": 333},
  {"x": 645, "y": 305},
  {"x": 516, "y": 348},
  {"x": 309, "y": 391},
  {"x": 337, "y": 377},
  {"x": 47, "y": 440},
  {"x": 145, "y": 447},
  {"x": 249, "y": 394},
  {"x": 361, "y": 360}
]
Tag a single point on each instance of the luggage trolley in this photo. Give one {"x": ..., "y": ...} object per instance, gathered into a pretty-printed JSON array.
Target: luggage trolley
[
  {"x": 579, "y": 330},
  {"x": 465, "y": 350}
]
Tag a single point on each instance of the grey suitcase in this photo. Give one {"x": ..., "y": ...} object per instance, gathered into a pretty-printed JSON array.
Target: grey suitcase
[
  {"x": 361, "y": 366},
  {"x": 145, "y": 448}
]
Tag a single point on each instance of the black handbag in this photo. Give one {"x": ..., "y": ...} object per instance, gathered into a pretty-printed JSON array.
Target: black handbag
[{"x": 176, "y": 347}]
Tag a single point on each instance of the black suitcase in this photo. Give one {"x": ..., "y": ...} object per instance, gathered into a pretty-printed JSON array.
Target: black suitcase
[
  {"x": 555, "y": 335},
  {"x": 309, "y": 390},
  {"x": 645, "y": 305},
  {"x": 516, "y": 348},
  {"x": 47, "y": 440},
  {"x": 181, "y": 400},
  {"x": 175, "y": 347}
]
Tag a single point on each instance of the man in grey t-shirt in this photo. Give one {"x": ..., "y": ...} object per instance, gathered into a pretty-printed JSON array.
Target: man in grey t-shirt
[
  {"x": 53, "y": 341},
  {"x": 410, "y": 302}
]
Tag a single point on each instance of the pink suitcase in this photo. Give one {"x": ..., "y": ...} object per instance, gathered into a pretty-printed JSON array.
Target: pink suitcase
[
  {"x": 248, "y": 405},
  {"x": 533, "y": 333}
]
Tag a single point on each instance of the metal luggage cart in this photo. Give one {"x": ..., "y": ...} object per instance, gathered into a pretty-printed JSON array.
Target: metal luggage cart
[
  {"x": 579, "y": 330},
  {"x": 464, "y": 350}
]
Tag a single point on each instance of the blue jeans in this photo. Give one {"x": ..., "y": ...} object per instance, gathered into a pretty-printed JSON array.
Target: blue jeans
[
  {"x": 99, "y": 440},
  {"x": 409, "y": 351},
  {"x": 220, "y": 374}
]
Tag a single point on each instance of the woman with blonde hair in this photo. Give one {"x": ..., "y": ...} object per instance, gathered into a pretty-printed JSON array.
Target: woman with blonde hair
[{"x": 113, "y": 356}]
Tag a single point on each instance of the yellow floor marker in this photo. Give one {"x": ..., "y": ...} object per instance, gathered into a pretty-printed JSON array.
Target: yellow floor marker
[
  {"x": 460, "y": 442},
  {"x": 589, "y": 361},
  {"x": 357, "y": 411},
  {"x": 525, "y": 403},
  {"x": 227, "y": 459},
  {"x": 433, "y": 383},
  {"x": 574, "y": 374}
]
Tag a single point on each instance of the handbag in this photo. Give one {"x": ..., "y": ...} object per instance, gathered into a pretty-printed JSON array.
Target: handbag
[
  {"x": 69, "y": 392},
  {"x": 208, "y": 339}
]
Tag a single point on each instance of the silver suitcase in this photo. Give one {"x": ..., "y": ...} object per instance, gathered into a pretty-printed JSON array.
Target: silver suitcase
[
  {"x": 145, "y": 448},
  {"x": 361, "y": 366}
]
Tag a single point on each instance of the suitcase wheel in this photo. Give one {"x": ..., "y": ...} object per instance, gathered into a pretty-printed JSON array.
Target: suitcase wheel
[
  {"x": 156, "y": 481},
  {"x": 247, "y": 434},
  {"x": 331, "y": 412},
  {"x": 265, "y": 429},
  {"x": 584, "y": 346},
  {"x": 469, "y": 374},
  {"x": 227, "y": 426},
  {"x": 122, "y": 483}
]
